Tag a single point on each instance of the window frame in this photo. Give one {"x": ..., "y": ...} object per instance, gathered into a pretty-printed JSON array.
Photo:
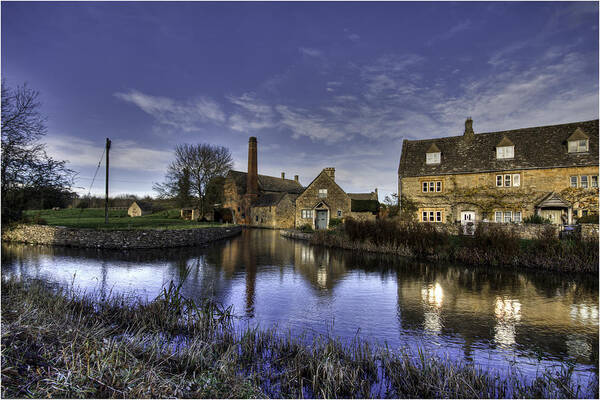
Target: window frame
[
  {"x": 424, "y": 186},
  {"x": 424, "y": 216},
  {"x": 576, "y": 181},
  {"x": 339, "y": 213},
  {"x": 594, "y": 181},
  {"x": 507, "y": 180},
  {"x": 578, "y": 146},
  {"x": 519, "y": 213},
  {"x": 438, "y": 186},
  {"x": 431, "y": 186},
  {"x": 498, "y": 214},
  {"x": 322, "y": 193},
  {"x": 438, "y": 216},
  {"x": 505, "y": 152},
  {"x": 499, "y": 180},
  {"x": 306, "y": 213},
  {"x": 581, "y": 181},
  {"x": 516, "y": 182},
  {"x": 509, "y": 215},
  {"x": 433, "y": 158}
]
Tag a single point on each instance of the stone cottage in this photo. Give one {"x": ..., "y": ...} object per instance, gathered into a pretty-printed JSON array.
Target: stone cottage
[
  {"x": 260, "y": 200},
  {"x": 323, "y": 199},
  {"x": 503, "y": 176},
  {"x": 139, "y": 208}
]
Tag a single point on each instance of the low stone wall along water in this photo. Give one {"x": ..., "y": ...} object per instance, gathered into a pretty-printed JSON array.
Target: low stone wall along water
[{"x": 126, "y": 239}]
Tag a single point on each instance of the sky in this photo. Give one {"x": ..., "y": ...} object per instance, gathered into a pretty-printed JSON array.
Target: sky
[{"x": 319, "y": 84}]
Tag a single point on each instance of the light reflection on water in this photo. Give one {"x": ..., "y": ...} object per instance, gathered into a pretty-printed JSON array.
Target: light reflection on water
[{"x": 496, "y": 318}]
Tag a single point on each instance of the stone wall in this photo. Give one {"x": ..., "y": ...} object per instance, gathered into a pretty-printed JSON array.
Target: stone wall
[
  {"x": 127, "y": 239},
  {"x": 589, "y": 231},
  {"x": 336, "y": 200},
  {"x": 478, "y": 192},
  {"x": 296, "y": 235}
]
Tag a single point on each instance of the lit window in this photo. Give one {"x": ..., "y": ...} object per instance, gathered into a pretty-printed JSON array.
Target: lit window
[
  {"x": 424, "y": 216},
  {"x": 505, "y": 152},
  {"x": 323, "y": 193},
  {"x": 438, "y": 216},
  {"x": 498, "y": 180},
  {"x": 584, "y": 181},
  {"x": 578, "y": 146},
  {"x": 433, "y": 158},
  {"x": 438, "y": 186},
  {"x": 517, "y": 216},
  {"x": 574, "y": 181},
  {"x": 339, "y": 213},
  {"x": 507, "y": 180},
  {"x": 507, "y": 216},
  {"x": 498, "y": 216},
  {"x": 594, "y": 181},
  {"x": 425, "y": 186},
  {"x": 516, "y": 178},
  {"x": 432, "y": 186}
]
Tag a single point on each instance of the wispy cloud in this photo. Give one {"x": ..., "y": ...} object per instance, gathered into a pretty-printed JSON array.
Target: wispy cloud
[
  {"x": 307, "y": 51},
  {"x": 251, "y": 114},
  {"x": 459, "y": 27},
  {"x": 305, "y": 123},
  {"x": 187, "y": 115}
]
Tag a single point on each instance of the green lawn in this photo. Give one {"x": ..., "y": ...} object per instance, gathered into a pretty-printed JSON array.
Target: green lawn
[{"x": 117, "y": 219}]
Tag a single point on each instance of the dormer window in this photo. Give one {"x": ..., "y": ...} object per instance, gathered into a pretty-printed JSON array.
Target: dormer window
[
  {"x": 505, "y": 149},
  {"x": 433, "y": 155},
  {"x": 578, "y": 142}
]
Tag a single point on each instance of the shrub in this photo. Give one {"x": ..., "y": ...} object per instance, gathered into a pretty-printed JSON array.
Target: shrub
[
  {"x": 333, "y": 222},
  {"x": 306, "y": 228},
  {"x": 588, "y": 219},
  {"x": 536, "y": 219}
]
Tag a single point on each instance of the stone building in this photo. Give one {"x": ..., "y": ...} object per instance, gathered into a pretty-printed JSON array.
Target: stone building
[
  {"x": 323, "y": 199},
  {"x": 260, "y": 200},
  {"x": 139, "y": 208},
  {"x": 503, "y": 176}
]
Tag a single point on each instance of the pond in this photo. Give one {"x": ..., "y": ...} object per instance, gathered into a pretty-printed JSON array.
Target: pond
[{"x": 500, "y": 319}]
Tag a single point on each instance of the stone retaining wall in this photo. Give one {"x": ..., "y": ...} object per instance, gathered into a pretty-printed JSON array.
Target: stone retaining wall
[
  {"x": 296, "y": 234},
  {"x": 129, "y": 239}
]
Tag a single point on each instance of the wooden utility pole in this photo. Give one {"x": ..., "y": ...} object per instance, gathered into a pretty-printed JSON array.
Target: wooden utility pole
[{"x": 106, "y": 198}]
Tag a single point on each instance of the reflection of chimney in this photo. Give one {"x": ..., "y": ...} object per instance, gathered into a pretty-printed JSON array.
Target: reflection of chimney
[
  {"x": 252, "y": 178},
  {"x": 297, "y": 178},
  {"x": 331, "y": 172},
  {"x": 283, "y": 175}
]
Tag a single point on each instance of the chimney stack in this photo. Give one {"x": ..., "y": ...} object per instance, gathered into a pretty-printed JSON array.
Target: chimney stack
[
  {"x": 297, "y": 178},
  {"x": 252, "y": 177},
  {"x": 283, "y": 175},
  {"x": 331, "y": 172},
  {"x": 376, "y": 194},
  {"x": 469, "y": 128}
]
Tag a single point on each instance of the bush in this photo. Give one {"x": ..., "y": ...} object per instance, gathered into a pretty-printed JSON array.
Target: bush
[
  {"x": 588, "y": 219},
  {"x": 306, "y": 228},
  {"x": 333, "y": 222},
  {"x": 536, "y": 219}
]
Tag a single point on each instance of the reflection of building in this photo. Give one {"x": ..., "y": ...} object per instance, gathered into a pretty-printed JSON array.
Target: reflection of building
[
  {"x": 508, "y": 314},
  {"x": 322, "y": 267}
]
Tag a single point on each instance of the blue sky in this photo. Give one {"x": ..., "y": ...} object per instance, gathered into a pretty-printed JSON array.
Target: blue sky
[{"x": 319, "y": 84}]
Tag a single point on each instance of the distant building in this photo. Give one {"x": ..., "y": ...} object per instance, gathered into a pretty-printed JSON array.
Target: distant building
[
  {"x": 323, "y": 199},
  {"x": 503, "y": 176},
  {"x": 139, "y": 208}
]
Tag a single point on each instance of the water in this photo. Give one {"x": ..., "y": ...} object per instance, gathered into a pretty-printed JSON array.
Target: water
[{"x": 500, "y": 319}]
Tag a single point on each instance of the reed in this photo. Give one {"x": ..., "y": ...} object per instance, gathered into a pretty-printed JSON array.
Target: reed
[{"x": 57, "y": 342}]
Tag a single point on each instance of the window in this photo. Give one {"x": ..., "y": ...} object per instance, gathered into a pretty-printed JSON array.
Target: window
[
  {"x": 507, "y": 216},
  {"x": 505, "y": 152},
  {"x": 322, "y": 193},
  {"x": 578, "y": 146},
  {"x": 307, "y": 213},
  {"x": 574, "y": 181},
  {"x": 431, "y": 216},
  {"x": 339, "y": 213},
  {"x": 584, "y": 181},
  {"x": 498, "y": 216},
  {"x": 438, "y": 216},
  {"x": 424, "y": 216},
  {"x": 507, "y": 180},
  {"x": 433, "y": 158},
  {"x": 432, "y": 186},
  {"x": 256, "y": 218},
  {"x": 594, "y": 181},
  {"x": 499, "y": 180},
  {"x": 517, "y": 216},
  {"x": 584, "y": 213},
  {"x": 516, "y": 178},
  {"x": 238, "y": 209}
]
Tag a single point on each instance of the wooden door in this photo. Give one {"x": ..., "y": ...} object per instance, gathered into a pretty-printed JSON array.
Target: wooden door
[{"x": 321, "y": 222}]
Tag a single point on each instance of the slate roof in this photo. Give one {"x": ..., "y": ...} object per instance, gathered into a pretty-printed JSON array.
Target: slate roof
[
  {"x": 267, "y": 183},
  {"x": 268, "y": 199},
  {"x": 536, "y": 147},
  {"x": 144, "y": 206},
  {"x": 362, "y": 196}
]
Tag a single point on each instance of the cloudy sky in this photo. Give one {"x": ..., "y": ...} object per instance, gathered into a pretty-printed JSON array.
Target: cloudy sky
[{"x": 319, "y": 84}]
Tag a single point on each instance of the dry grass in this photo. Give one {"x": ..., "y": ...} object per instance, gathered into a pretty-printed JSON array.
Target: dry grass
[{"x": 58, "y": 343}]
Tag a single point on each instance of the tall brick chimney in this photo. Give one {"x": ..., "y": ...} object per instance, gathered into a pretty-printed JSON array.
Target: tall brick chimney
[
  {"x": 252, "y": 177},
  {"x": 283, "y": 175},
  {"x": 297, "y": 178},
  {"x": 469, "y": 128},
  {"x": 331, "y": 172}
]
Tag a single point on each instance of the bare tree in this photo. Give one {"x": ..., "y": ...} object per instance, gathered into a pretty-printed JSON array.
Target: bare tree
[
  {"x": 26, "y": 168},
  {"x": 203, "y": 162}
]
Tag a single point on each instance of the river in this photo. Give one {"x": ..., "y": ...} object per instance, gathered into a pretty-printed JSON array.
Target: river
[{"x": 500, "y": 319}]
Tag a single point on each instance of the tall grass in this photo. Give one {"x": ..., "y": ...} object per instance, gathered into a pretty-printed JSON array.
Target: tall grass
[
  {"x": 490, "y": 245},
  {"x": 58, "y": 343}
]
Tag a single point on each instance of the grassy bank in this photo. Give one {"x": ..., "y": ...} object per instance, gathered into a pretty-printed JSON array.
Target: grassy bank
[
  {"x": 56, "y": 343},
  {"x": 118, "y": 219},
  {"x": 492, "y": 246}
]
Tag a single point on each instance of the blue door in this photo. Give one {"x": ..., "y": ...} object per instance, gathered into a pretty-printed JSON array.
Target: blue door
[{"x": 321, "y": 219}]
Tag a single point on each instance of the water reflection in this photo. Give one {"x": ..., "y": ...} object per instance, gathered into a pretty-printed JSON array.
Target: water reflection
[{"x": 479, "y": 313}]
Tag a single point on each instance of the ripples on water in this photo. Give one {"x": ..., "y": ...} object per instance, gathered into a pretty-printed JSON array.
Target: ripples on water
[{"x": 500, "y": 319}]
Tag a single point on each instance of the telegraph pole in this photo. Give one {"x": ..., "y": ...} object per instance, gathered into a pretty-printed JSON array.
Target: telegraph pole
[{"x": 106, "y": 198}]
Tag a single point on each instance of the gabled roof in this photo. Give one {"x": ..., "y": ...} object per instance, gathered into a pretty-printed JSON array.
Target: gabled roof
[
  {"x": 578, "y": 135},
  {"x": 266, "y": 183},
  {"x": 362, "y": 196},
  {"x": 433, "y": 148},
  {"x": 536, "y": 147},
  {"x": 268, "y": 199},
  {"x": 143, "y": 205},
  {"x": 505, "y": 142},
  {"x": 553, "y": 200}
]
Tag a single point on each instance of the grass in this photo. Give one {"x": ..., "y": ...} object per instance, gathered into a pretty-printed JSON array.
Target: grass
[
  {"x": 118, "y": 219},
  {"x": 58, "y": 343}
]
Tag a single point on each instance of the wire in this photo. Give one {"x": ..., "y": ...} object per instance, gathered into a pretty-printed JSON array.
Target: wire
[{"x": 92, "y": 184}]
